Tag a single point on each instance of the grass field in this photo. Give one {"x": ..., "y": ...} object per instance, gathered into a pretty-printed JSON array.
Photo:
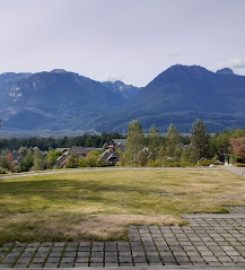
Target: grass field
[{"x": 100, "y": 204}]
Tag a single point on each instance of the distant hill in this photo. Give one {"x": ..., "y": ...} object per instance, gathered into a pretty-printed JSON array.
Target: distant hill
[
  {"x": 61, "y": 100},
  {"x": 182, "y": 88},
  {"x": 53, "y": 100},
  {"x": 181, "y": 94}
]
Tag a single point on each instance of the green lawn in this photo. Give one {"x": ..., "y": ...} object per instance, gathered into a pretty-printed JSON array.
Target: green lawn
[{"x": 100, "y": 204}]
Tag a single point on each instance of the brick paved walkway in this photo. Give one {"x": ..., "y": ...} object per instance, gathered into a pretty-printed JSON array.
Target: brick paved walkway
[{"x": 209, "y": 240}]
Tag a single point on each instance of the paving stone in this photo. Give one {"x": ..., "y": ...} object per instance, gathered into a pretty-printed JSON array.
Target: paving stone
[
  {"x": 110, "y": 260},
  {"x": 125, "y": 260},
  {"x": 69, "y": 254},
  {"x": 53, "y": 259},
  {"x": 112, "y": 264},
  {"x": 51, "y": 265},
  {"x": 126, "y": 264},
  {"x": 80, "y": 264},
  {"x": 82, "y": 259},
  {"x": 96, "y": 260},
  {"x": 66, "y": 265},
  {"x": 59, "y": 244},
  {"x": 67, "y": 260},
  {"x": 18, "y": 265},
  {"x": 36, "y": 265},
  {"x": 84, "y": 248},
  {"x": 96, "y": 264}
]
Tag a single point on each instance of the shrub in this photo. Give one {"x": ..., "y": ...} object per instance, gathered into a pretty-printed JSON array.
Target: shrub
[
  {"x": 3, "y": 171},
  {"x": 154, "y": 163},
  {"x": 6, "y": 164},
  {"x": 240, "y": 164},
  {"x": 187, "y": 164},
  {"x": 82, "y": 162},
  {"x": 72, "y": 162},
  {"x": 171, "y": 163},
  {"x": 91, "y": 161},
  {"x": 205, "y": 162}
]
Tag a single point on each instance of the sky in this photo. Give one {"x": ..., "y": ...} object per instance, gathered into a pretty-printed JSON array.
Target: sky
[{"x": 129, "y": 40}]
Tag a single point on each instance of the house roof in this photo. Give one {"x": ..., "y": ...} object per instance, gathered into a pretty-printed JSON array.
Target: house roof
[
  {"x": 61, "y": 150},
  {"x": 120, "y": 143},
  {"x": 78, "y": 150},
  {"x": 108, "y": 154}
]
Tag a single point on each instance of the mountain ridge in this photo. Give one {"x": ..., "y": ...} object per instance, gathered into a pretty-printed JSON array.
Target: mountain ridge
[{"x": 60, "y": 100}]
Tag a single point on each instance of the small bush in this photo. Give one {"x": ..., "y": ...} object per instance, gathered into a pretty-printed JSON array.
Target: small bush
[
  {"x": 72, "y": 162},
  {"x": 171, "y": 163},
  {"x": 154, "y": 163},
  {"x": 205, "y": 162},
  {"x": 187, "y": 164},
  {"x": 3, "y": 171},
  {"x": 240, "y": 164},
  {"x": 82, "y": 162}
]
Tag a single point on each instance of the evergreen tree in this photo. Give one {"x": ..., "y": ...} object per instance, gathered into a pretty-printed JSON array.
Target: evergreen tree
[
  {"x": 135, "y": 141},
  {"x": 26, "y": 161},
  {"x": 172, "y": 140},
  {"x": 200, "y": 140},
  {"x": 154, "y": 142}
]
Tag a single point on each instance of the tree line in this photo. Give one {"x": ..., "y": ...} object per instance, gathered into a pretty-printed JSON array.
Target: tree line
[
  {"x": 44, "y": 144},
  {"x": 154, "y": 149},
  {"x": 142, "y": 148}
]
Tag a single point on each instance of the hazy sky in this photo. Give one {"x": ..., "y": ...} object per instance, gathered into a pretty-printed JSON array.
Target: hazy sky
[{"x": 131, "y": 40}]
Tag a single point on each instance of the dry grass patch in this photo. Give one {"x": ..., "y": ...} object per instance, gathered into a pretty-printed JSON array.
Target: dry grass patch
[{"x": 114, "y": 227}]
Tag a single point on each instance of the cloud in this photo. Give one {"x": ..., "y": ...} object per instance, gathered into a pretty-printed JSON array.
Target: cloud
[
  {"x": 237, "y": 63},
  {"x": 174, "y": 55}
]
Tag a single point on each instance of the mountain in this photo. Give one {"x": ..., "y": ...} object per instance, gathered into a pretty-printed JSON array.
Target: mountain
[
  {"x": 225, "y": 71},
  {"x": 181, "y": 94},
  {"x": 62, "y": 100},
  {"x": 56, "y": 100},
  {"x": 128, "y": 91},
  {"x": 192, "y": 88}
]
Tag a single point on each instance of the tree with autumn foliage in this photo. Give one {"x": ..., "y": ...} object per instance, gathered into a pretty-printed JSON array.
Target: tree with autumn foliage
[{"x": 238, "y": 148}]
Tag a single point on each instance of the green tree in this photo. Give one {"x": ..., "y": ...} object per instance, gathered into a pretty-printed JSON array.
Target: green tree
[
  {"x": 221, "y": 143},
  {"x": 72, "y": 162},
  {"x": 143, "y": 156},
  {"x": 92, "y": 159},
  {"x": 38, "y": 160},
  {"x": 187, "y": 156},
  {"x": 52, "y": 157},
  {"x": 154, "y": 142},
  {"x": 135, "y": 141},
  {"x": 26, "y": 161},
  {"x": 172, "y": 140},
  {"x": 200, "y": 140},
  {"x": 6, "y": 164}
]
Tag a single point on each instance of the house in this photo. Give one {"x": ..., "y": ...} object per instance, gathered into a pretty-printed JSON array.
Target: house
[
  {"x": 111, "y": 151},
  {"x": 75, "y": 151},
  {"x": 81, "y": 152},
  {"x": 110, "y": 157},
  {"x": 120, "y": 144}
]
